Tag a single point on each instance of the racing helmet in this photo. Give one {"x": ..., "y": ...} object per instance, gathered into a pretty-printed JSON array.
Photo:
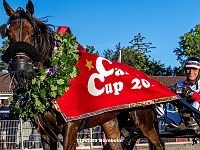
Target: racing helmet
[{"x": 193, "y": 62}]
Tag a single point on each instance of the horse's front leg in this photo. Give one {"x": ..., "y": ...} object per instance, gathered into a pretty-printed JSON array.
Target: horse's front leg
[
  {"x": 112, "y": 133},
  {"x": 47, "y": 142},
  {"x": 70, "y": 132}
]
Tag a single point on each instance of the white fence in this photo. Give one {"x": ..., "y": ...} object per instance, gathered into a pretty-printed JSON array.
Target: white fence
[{"x": 13, "y": 132}]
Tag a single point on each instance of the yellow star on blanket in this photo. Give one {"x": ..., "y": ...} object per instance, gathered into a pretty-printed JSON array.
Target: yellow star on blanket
[{"x": 89, "y": 64}]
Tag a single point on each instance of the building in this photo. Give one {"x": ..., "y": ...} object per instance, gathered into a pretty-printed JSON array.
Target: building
[
  {"x": 168, "y": 80},
  {"x": 5, "y": 89}
]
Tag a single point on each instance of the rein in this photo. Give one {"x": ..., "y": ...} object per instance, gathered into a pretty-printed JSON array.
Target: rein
[{"x": 55, "y": 140}]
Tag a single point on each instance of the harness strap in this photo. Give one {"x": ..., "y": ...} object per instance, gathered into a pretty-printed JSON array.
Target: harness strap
[
  {"x": 17, "y": 20},
  {"x": 57, "y": 138},
  {"x": 20, "y": 33}
]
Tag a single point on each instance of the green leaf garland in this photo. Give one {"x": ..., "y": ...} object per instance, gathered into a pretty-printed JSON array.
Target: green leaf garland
[{"x": 51, "y": 82}]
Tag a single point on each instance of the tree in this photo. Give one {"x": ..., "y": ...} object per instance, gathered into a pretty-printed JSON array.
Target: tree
[
  {"x": 137, "y": 56},
  {"x": 91, "y": 49},
  {"x": 139, "y": 45},
  {"x": 189, "y": 45},
  {"x": 3, "y": 66}
]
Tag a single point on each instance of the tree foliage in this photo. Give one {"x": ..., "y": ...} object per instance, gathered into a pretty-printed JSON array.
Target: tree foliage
[
  {"x": 3, "y": 66},
  {"x": 189, "y": 45},
  {"x": 91, "y": 49},
  {"x": 139, "y": 59}
]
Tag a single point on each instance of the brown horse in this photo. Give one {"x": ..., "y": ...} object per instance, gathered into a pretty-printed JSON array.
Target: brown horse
[{"x": 24, "y": 28}]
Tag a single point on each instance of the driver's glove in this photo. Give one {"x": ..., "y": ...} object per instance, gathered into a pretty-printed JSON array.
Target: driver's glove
[
  {"x": 173, "y": 88},
  {"x": 187, "y": 92}
]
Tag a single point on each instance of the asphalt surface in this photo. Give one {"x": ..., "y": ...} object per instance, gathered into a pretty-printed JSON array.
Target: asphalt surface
[{"x": 168, "y": 146}]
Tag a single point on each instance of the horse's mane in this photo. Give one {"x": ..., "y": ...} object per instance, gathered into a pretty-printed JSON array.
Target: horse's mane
[
  {"x": 43, "y": 33},
  {"x": 44, "y": 38}
]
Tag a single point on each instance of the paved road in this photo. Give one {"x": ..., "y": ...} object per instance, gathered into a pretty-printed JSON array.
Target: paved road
[
  {"x": 173, "y": 146},
  {"x": 168, "y": 146}
]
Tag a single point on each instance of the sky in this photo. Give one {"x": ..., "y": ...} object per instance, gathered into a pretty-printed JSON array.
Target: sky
[{"x": 105, "y": 23}]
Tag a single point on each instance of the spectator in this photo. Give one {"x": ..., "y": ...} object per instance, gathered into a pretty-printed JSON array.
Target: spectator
[
  {"x": 5, "y": 117},
  {"x": 5, "y": 110},
  {"x": 35, "y": 138},
  {"x": 26, "y": 132}
]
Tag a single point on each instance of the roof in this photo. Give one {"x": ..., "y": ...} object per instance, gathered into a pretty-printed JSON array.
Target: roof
[
  {"x": 166, "y": 80},
  {"x": 4, "y": 83}
]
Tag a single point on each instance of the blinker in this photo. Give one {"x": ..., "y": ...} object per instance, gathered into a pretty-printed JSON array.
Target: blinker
[{"x": 3, "y": 31}]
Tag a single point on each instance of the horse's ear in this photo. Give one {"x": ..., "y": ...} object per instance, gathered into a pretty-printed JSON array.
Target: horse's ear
[
  {"x": 8, "y": 9},
  {"x": 30, "y": 8}
]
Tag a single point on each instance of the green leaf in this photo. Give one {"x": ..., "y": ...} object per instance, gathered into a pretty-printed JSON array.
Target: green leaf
[
  {"x": 60, "y": 82},
  {"x": 37, "y": 102},
  {"x": 33, "y": 81},
  {"x": 53, "y": 94},
  {"x": 43, "y": 93},
  {"x": 53, "y": 88},
  {"x": 73, "y": 73}
]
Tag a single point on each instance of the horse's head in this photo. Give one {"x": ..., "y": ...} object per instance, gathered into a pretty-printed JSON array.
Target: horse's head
[
  {"x": 31, "y": 41},
  {"x": 18, "y": 21}
]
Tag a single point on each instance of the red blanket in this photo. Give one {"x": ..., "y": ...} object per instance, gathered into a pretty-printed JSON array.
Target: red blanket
[{"x": 104, "y": 86}]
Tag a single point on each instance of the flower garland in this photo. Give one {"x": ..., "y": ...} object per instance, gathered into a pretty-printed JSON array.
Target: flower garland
[{"x": 51, "y": 82}]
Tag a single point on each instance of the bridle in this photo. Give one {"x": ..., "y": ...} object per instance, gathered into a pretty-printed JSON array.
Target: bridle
[
  {"x": 18, "y": 67},
  {"x": 19, "y": 16},
  {"x": 24, "y": 65}
]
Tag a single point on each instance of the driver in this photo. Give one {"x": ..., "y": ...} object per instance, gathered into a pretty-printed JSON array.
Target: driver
[
  {"x": 191, "y": 85},
  {"x": 190, "y": 92}
]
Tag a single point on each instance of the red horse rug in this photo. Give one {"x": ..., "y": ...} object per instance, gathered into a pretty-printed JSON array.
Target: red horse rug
[{"x": 104, "y": 86}]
